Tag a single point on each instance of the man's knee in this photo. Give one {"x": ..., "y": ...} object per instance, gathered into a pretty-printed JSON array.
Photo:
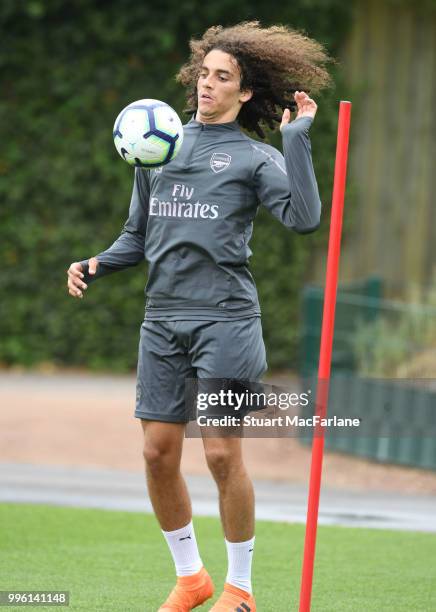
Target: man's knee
[
  {"x": 159, "y": 458},
  {"x": 162, "y": 447},
  {"x": 222, "y": 461},
  {"x": 154, "y": 455}
]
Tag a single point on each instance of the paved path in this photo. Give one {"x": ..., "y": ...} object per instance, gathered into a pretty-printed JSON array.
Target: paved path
[
  {"x": 71, "y": 439},
  {"x": 277, "y": 501},
  {"x": 84, "y": 420}
]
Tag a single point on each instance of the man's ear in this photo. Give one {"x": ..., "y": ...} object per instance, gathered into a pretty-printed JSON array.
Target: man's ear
[{"x": 246, "y": 95}]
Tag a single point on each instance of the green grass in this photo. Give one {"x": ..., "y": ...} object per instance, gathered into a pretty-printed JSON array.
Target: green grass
[{"x": 119, "y": 561}]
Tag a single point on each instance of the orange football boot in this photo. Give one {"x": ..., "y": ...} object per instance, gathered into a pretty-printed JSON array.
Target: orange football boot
[
  {"x": 189, "y": 592},
  {"x": 234, "y": 600}
]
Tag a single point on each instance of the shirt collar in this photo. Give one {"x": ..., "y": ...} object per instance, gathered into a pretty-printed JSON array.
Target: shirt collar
[{"x": 231, "y": 125}]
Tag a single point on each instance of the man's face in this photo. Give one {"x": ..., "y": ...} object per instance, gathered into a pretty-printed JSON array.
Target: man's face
[{"x": 218, "y": 88}]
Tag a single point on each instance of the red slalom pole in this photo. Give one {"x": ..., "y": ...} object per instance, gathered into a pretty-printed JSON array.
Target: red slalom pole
[{"x": 325, "y": 357}]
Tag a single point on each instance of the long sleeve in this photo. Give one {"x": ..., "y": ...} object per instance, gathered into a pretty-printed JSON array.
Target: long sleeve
[
  {"x": 128, "y": 248},
  {"x": 287, "y": 185}
]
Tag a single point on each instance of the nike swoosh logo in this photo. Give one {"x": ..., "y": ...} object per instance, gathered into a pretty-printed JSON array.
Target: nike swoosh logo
[{"x": 187, "y": 538}]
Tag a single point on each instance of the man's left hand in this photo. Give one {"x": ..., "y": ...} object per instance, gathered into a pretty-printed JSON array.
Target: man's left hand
[{"x": 306, "y": 107}]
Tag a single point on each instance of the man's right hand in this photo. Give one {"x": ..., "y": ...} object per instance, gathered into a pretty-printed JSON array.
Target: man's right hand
[{"x": 75, "y": 284}]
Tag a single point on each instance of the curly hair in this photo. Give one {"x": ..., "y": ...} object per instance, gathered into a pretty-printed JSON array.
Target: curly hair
[{"x": 274, "y": 62}]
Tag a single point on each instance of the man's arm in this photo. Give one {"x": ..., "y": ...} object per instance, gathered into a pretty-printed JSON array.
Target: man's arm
[
  {"x": 287, "y": 185},
  {"x": 128, "y": 249}
]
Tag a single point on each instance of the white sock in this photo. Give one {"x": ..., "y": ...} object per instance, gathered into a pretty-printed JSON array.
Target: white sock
[
  {"x": 184, "y": 550},
  {"x": 240, "y": 555}
]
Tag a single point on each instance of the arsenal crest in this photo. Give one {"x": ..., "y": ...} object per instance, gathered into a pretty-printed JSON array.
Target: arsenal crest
[{"x": 220, "y": 161}]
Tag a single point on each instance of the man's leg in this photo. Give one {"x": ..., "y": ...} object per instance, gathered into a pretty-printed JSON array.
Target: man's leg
[
  {"x": 163, "y": 443},
  {"x": 236, "y": 501},
  {"x": 224, "y": 351},
  {"x": 236, "y": 496}
]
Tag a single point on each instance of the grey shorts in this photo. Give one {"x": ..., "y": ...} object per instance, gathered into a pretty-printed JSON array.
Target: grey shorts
[{"x": 172, "y": 351}]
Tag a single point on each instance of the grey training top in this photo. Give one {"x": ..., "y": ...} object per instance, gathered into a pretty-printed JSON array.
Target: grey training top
[{"x": 193, "y": 218}]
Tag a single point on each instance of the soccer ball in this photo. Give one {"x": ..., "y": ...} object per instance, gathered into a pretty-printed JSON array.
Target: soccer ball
[{"x": 148, "y": 133}]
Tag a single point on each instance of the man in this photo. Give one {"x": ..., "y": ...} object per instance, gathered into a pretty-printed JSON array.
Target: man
[{"x": 202, "y": 314}]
